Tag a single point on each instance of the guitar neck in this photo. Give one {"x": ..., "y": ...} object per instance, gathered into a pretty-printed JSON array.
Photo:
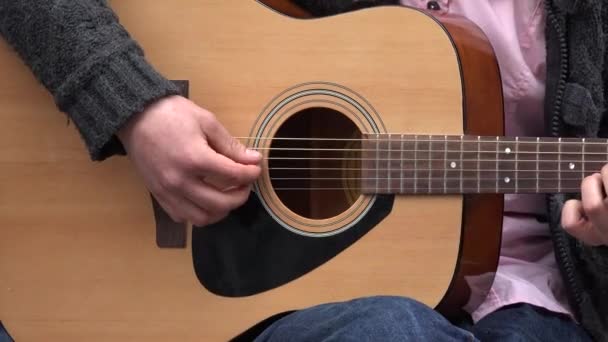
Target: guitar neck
[{"x": 444, "y": 164}]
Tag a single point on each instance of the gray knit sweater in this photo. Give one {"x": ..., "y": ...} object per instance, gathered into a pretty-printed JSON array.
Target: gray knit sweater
[
  {"x": 99, "y": 76},
  {"x": 96, "y": 73}
]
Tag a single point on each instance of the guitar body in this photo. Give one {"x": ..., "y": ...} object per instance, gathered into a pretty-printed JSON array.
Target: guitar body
[{"x": 78, "y": 256}]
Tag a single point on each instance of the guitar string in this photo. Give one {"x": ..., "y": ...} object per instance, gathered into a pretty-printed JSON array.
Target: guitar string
[
  {"x": 424, "y": 169},
  {"x": 417, "y": 150},
  {"x": 420, "y": 138},
  {"x": 444, "y": 141},
  {"x": 441, "y": 159},
  {"x": 421, "y": 180},
  {"x": 439, "y": 189}
]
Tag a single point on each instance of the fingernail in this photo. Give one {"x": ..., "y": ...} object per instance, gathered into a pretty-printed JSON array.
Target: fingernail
[{"x": 253, "y": 153}]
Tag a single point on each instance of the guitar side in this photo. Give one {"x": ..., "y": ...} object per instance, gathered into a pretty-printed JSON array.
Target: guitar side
[{"x": 78, "y": 257}]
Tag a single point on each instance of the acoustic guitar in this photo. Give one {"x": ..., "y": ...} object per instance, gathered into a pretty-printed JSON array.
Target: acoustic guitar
[{"x": 385, "y": 164}]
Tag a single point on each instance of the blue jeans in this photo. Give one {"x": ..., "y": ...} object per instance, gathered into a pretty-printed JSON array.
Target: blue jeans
[
  {"x": 4, "y": 337},
  {"x": 402, "y": 319}
]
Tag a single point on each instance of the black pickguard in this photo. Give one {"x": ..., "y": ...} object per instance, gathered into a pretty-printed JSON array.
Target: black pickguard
[{"x": 249, "y": 252}]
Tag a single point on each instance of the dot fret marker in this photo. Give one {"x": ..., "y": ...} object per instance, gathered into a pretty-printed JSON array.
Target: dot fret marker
[{"x": 474, "y": 164}]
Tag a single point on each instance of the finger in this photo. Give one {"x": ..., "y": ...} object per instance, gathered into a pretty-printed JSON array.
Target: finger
[
  {"x": 224, "y": 143},
  {"x": 604, "y": 173},
  {"x": 214, "y": 201},
  {"x": 182, "y": 210},
  {"x": 576, "y": 224},
  {"x": 224, "y": 173},
  {"x": 594, "y": 206}
]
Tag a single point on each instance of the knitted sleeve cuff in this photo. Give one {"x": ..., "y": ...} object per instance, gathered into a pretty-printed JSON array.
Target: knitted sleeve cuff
[{"x": 125, "y": 85}]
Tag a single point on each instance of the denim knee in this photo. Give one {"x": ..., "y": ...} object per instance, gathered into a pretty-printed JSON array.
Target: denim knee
[
  {"x": 383, "y": 308},
  {"x": 383, "y": 318}
]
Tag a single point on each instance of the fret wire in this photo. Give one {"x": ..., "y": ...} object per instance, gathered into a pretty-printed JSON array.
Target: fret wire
[
  {"x": 583, "y": 158},
  {"x": 497, "y": 151},
  {"x": 430, "y": 161},
  {"x": 478, "y": 163},
  {"x": 460, "y": 162},
  {"x": 559, "y": 164},
  {"x": 516, "y": 164},
  {"x": 388, "y": 162},
  {"x": 401, "y": 166},
  {"x": 377, "y": 161},
  {"x": 445, "y": 160},
  {"x": 415, "y": 164}
]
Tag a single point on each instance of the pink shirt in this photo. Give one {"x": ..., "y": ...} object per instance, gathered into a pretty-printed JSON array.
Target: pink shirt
[{"x": 527, "y": 271}]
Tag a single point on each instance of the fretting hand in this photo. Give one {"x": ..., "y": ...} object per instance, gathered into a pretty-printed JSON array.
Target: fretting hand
[
  {"x": 194, "y": 168},
  {"x": 587, "y": 219}
]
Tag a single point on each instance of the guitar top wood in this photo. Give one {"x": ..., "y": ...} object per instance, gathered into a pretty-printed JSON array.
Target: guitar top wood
[{"x": 78, "y": 255}]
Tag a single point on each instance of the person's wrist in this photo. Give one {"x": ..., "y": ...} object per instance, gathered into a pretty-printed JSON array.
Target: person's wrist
[{"x": 125, "y": 133}]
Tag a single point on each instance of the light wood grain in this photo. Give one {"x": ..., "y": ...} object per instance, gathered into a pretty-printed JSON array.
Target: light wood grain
[{"x": 78, "y": 260}]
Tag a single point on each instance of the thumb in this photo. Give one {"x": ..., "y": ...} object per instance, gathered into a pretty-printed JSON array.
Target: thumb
[
  {"x": 223, "y": 143},
  {"x": 578, "y": 225}
]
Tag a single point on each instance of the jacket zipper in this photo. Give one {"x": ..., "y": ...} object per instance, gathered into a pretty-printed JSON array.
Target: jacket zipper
[{"x": 561, "y": 241}]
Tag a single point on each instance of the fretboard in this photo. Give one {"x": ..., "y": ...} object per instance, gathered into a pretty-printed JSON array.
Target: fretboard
[{"x": 432, "y": 164}]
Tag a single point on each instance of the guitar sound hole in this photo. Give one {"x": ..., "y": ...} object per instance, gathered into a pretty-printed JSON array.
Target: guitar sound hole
[{"x": 315, "y": 163}]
